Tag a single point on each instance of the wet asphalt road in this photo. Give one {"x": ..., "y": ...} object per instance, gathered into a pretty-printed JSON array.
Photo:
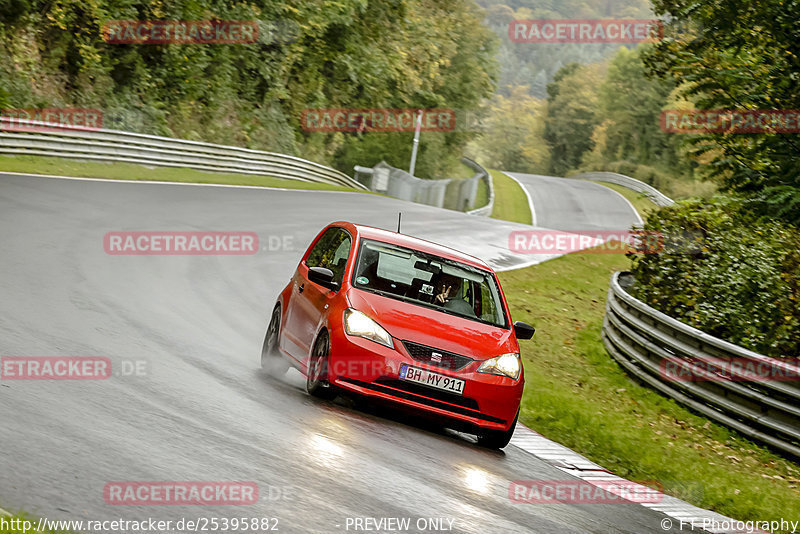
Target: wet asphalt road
[
  {"x": 576, "y": 205},
  {"x": 199, "y": 408}
]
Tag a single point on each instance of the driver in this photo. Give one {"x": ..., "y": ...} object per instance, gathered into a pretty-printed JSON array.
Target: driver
[{"x": 447, "y": 288}]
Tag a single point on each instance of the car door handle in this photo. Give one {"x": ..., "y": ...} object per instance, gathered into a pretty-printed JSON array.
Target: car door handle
[{"x": 300, "y": 288}]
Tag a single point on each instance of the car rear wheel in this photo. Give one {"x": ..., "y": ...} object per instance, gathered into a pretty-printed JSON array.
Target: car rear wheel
[
  {"x": 497, "y": 439},
  {"x": 317, "y": 375},
  {"x": 271, "y": 359}
]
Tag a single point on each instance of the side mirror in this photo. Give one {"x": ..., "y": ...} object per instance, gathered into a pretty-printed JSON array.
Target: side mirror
[
  {"x": 523, "y": 330},
  {"x": 323, "y": 277}
]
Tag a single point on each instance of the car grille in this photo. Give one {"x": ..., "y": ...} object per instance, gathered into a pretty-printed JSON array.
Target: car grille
[
  {"x": 426, "y": 400},
  {"x": 428, "y": 391},
  {"x": 437, "y": 357}
]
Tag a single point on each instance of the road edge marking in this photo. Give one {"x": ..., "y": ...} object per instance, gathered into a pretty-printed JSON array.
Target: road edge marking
[
  {"x": 628, "y": 202},
  {"x": 527, "y": 194},
  {"x": 161, "y": 182}
]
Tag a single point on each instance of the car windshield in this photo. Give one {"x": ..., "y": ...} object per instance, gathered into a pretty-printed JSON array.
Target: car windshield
[{"x": 428, "y": 280}]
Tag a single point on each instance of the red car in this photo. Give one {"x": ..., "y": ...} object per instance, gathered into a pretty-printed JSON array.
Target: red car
[{"x": 400, "y": 319}]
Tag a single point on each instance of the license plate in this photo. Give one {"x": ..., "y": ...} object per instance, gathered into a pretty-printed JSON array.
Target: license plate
[{"x": 434, "y": 380}]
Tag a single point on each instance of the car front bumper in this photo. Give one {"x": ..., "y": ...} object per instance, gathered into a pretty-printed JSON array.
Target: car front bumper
[{"x": 367, "y": 368}]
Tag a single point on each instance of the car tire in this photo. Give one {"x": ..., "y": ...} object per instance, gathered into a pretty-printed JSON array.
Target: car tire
[
  {"x": 317, "y": 374},
  {"x": 497, "y": 439},
  {"x": 271, "y": 359}
]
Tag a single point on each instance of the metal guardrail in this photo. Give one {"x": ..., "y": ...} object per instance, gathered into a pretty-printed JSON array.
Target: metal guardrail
[
  {"x": 659, "y": 198},
  {"x": 397, "y": 183},
  {"x": 482, "y": 174},
  {"x": 36, "y": 138},
  {"x": 449, "y": 193},
  {"x": 641, "y": 339}
]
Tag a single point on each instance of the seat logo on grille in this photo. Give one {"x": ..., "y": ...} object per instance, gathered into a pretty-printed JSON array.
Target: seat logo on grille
[{"x": 436, "y": 357}]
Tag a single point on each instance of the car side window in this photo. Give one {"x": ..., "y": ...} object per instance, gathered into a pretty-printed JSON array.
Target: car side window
[
  {"x": 488, "y": 308},
  {"x": 331, "y": 252}
]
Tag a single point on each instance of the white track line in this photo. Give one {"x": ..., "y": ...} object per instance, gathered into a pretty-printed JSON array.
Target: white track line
[
  {"x": 527, "y": 194},
  {"x": 628, "y": 202},
  {"x": 540, "y": 258},
  {"x": 195, "y": 184},
  {"x": 234, "y": 186}
]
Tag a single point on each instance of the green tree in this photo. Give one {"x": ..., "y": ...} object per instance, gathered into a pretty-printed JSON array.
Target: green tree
[
  {"x": 535, "y": 64},
  {"x": 629, "y": 138},
  {"x": 632, "y": 103},
  {"x": 513, "y": 133},
  {"x": 446, "y": 60},
  {"x": 572, "y": 114},
  {"x": 739, "y": 55},
  {"x": 726, "y": 273},
  {"x": 335, "y": 53}
]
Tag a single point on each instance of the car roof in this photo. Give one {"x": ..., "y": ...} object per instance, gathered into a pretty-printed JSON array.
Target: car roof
[{"x": 415, "y": 243}]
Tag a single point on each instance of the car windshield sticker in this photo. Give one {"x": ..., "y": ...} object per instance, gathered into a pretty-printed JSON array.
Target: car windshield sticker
[{"x": 363, "y": 280}]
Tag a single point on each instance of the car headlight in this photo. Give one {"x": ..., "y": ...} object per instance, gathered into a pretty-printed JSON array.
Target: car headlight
[
  {"x": 362, "y": 325},
  {"x": 505, "y": 365}
]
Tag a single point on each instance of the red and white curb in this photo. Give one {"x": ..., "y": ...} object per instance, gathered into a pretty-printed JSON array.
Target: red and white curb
[{"x": 685, "y": 515}]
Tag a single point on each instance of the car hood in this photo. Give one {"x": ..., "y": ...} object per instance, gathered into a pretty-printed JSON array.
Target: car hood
[{"x": 410, "y": 322}]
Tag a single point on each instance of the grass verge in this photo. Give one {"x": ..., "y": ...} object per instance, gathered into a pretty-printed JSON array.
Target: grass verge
[
  {"x": 461, "y": 171},
  {"x": 128, "y": 171},
  {"x": 481, "y": 195},
  {"x": 578, "y": 396},
  {"x": 510, "y": 201}
]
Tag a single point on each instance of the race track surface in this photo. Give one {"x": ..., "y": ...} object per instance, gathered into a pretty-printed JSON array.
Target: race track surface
[
  {"x": 576, "y": 205},
  {"x": 200, "y": 409}
]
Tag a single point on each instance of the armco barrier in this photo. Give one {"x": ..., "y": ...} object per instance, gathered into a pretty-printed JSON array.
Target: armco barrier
[
  {"x": 36, "y": 138},
  {"x": 450, "y": 193},
  {"x": 640, "y": 339},
  {"x": 659, "y": 198},
  {"x": 482, "y": 174}
]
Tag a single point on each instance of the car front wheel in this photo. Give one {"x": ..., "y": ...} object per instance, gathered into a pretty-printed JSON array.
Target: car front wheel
[
  {"x": 271, "y": 359},
  {"x": 497, "y": 439},
  {"x": 317, "y": 374}
]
